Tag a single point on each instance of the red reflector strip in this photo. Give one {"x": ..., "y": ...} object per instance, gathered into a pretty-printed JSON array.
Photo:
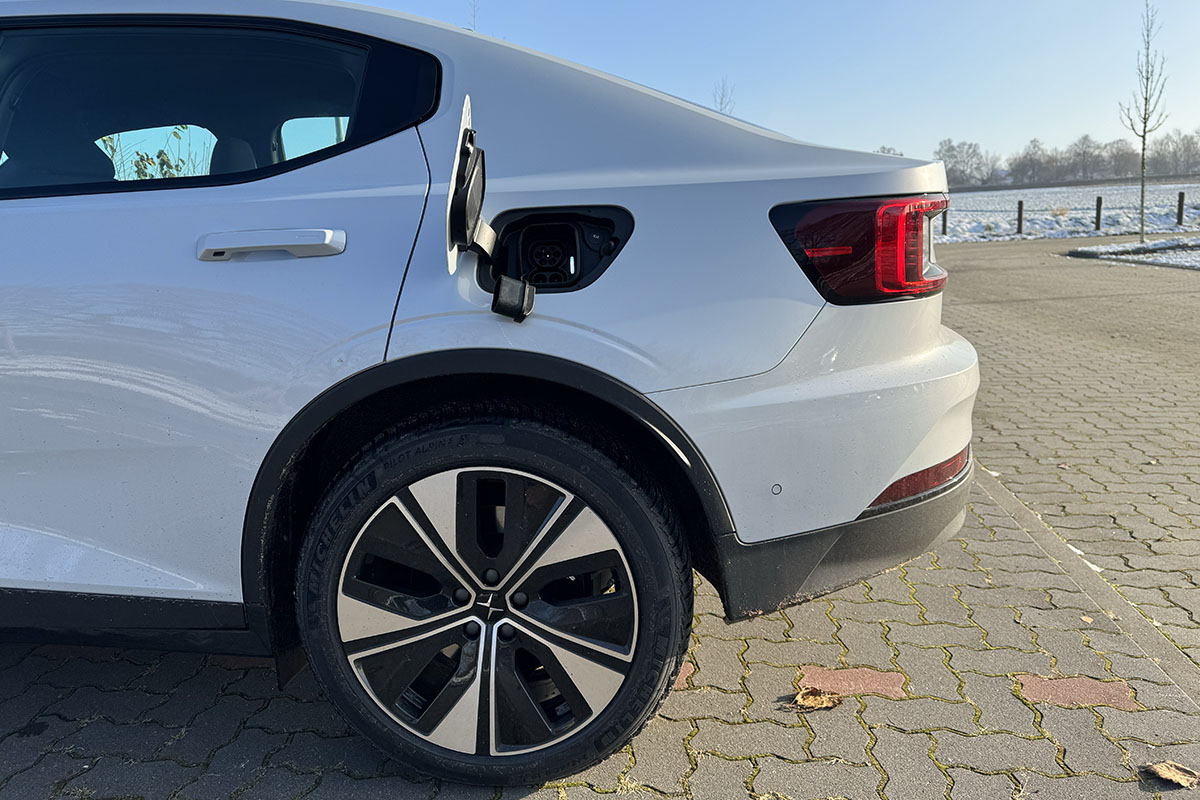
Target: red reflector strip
[
  {"x": 818, "y": 252},
  {"x": 926, "y": 479}
]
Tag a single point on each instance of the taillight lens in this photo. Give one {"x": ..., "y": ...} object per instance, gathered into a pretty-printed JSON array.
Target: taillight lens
[
  {"x": 864, "y": 250},
  {"x": 925, "y": 480}
]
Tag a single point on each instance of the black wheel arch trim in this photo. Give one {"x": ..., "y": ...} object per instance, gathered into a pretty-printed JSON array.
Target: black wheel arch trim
[{"x": 391, "y": 375}]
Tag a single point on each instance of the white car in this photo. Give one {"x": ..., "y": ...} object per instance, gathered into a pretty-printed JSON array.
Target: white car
[{"x": 277, "y": 378}]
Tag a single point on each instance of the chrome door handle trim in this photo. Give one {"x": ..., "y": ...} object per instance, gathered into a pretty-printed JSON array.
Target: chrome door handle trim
[{"x": 298, "y": 242}]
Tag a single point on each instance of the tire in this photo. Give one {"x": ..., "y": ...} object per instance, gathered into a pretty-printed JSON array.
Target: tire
[{"x": 495, "y": 595}]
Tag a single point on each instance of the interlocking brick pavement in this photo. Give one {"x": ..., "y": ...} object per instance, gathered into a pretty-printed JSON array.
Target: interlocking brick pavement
[
  {"x": 1090, "y": 410},
  {"x": 1101, "y": 380}
]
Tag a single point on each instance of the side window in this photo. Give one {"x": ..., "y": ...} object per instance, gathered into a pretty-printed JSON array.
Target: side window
[
  {"x": 300, "y": 137},
  {"x": 91, "y": 108},
  {"x": 168, "y": 151}
]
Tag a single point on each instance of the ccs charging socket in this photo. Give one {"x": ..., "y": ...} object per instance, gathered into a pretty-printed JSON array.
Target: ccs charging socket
[{"x": 559, "y": 249}]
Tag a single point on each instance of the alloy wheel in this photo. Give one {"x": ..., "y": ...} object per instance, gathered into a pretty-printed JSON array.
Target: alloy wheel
[{"x": 488, "y": 611}]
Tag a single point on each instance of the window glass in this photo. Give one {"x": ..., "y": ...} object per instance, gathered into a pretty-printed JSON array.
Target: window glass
[
  {"x": 310, "y": 134},
  {"x": 167, "y": 151},
  {"x": 99, "y": 108},
  {"x": 99, "y": 105}
]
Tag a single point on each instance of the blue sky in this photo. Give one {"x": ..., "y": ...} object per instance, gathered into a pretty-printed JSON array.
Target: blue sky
[{"x": 861, "y": 73}]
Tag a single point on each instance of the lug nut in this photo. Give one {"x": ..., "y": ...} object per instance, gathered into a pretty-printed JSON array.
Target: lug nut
[
  {"x": 507, "y": 632},
  {"x": 461, "y": 596},
  {"x": 472, "y": 630},
  {"x": 520, "y": 600},
  {"x": 491, "y": 577}
]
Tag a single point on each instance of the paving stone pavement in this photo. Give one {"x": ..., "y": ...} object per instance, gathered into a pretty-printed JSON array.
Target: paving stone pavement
[
  {"x": 1090, "y": 410},
  {"x": 982, "y": 670}
]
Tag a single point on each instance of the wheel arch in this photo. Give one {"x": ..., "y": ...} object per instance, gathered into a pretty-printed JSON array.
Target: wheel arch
[{"x": 335, "y": 425}]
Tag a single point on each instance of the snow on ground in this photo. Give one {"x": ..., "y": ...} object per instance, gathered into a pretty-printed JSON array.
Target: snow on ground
[
  {"x": 1187, "y": 259},
  {"x": 1067, "y": 211},
  {"x": 1183, "y": 253},
  {"x": 1135, "y": 248}
]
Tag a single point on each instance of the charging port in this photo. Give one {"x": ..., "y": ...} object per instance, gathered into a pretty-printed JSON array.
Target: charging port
[{"x": 558, "y": 249}]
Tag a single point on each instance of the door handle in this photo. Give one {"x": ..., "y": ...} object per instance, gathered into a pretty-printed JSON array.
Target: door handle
[{"x": 298, "y": 242}]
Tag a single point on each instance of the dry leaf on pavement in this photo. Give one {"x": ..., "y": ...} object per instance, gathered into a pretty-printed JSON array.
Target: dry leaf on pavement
[
  {"x": 1175, "y": 773},
  {"x": 811, "y": 699}
]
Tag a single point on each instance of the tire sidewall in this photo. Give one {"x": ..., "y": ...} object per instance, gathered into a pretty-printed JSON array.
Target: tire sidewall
[{"x": 546, "y": 453}]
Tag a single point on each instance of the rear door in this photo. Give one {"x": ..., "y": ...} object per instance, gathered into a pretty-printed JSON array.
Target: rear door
[{"x": 204, "y": 225}]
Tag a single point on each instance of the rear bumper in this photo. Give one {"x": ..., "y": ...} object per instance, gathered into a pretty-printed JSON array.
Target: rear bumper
[
  {"x": 761, "y": 577},
  {"x": 869, "y": 395}
]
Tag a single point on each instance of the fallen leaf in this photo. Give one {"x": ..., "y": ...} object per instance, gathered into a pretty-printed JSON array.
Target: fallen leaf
[
  {"x": 1152, "y": 462},
  {"x": 1174, "y": 773},
  {"x": 1086, "y": 618},
  {"x": 1064, "y": 466},
  {"x": 811, "y": 698}
]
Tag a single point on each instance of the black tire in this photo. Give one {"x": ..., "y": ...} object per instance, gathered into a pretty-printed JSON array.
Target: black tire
[{"x": 519, "y": 659}]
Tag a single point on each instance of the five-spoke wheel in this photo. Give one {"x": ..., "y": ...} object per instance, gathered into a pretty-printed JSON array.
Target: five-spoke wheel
[
  {"x": 489, "y": 611},
  {"x": 474, "y": 615}
]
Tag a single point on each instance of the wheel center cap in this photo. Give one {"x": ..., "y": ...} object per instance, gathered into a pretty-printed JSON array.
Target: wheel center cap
[{"x": 490, "y": 604}]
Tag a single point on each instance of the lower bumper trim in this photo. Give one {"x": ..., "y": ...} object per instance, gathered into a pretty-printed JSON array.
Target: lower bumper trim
[{"x": 765, "y": 576}]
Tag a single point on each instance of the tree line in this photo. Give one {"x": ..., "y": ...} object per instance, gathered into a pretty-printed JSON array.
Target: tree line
[{"x": 967, "y": 164}]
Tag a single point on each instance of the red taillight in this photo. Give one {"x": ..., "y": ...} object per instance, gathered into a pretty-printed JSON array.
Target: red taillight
[
  {"x": 925, "y": 480},
  {"x": 860, "y": 251},
  {"x": 900, "y": 247}
]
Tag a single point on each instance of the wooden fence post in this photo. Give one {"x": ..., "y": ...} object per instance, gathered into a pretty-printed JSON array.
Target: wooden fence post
[
  {"x": 1020, "y": 216},
  {"x": 1179, "y": 211},
  {"x": 1099, "y": 207}
]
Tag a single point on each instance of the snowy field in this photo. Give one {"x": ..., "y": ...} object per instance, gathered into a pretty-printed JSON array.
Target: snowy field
[
  {"x": 1069, "y": 211},
  {"x": 1184, "y": 253}
]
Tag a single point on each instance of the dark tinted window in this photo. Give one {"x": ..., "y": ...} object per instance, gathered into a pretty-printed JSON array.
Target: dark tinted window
[{"x": 105, "y": 108}]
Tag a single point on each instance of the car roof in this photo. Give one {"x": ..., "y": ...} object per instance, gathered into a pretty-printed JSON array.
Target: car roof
[
  {"x": 510, "y": 84},
  {"x": 316, "y": 11}
]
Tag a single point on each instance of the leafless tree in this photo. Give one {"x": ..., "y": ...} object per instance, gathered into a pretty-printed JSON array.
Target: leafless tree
[
  {"x": 723, "y": 96},
  {"x": 1179, "y": 153},
  {"x": 1120, "y": 158},
  {"x": 1145, "y": 114},
  {"x": 966, "y": 163},
  {"x": 474, "y": 5},
  {"x": 889, "y": 151},
  {"x": 1029, "y": 165},
  {"x": 991, "y": 168},
  {"x": 1084, "y": 157}
]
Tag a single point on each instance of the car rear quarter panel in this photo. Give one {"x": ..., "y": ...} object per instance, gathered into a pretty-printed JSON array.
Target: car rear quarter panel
[
  {"x": 869, "y": 395},
  {"x": 704, "y": 291}
]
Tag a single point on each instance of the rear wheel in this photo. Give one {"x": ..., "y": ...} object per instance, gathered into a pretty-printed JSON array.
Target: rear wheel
[{"x": 495, "y": 598}]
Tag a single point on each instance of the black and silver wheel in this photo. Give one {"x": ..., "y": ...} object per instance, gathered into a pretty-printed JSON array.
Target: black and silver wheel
[{"x": 494, "y": 599}]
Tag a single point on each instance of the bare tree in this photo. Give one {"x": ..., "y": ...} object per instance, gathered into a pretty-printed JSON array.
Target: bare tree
[
  {"x": 991, "y": 168},
  {"x": 1029, "y": 165},
  {"x": 966, "y": 163},
  {"x": 1144, "y": 115},
  {"x": 1084, "y": 157},
  {"x": 1120, "y": 158},
  {"x": 1181, "y": 150},
  {"x": 474, "y": 5},
  {"x": 889, "y": 151},
  {"x": 723, "y": 96}
]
